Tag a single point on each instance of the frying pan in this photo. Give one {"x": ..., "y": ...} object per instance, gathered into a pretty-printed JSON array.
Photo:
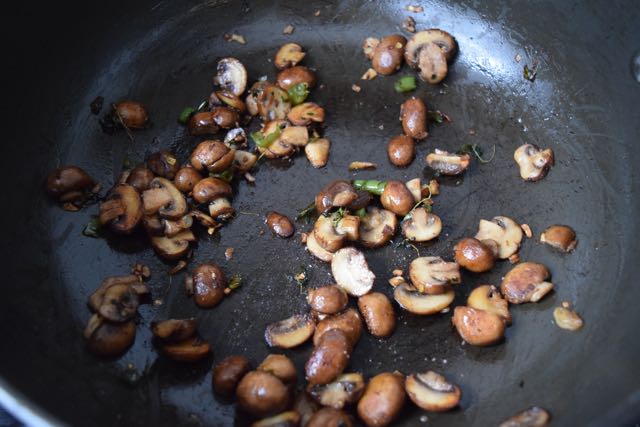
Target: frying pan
[{"x": 584, "y": 103}]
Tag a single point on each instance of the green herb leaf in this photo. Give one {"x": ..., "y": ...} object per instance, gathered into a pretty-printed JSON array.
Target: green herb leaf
[
  {"x": 362, "y": 212},
  {"x": 226, "y": 176},
  {"x": 337, "y": 216},
  {"x": 476, "y": 150},
  {"x": 93, "y": 227},
  {"x": 186, "y": 114},
  {"x": 438, "y": 117},
  {"x": 298, "y": 93},
  {"x": 405, "y": 84},
  {"x": 235, "y": 282},
  {"x": 307, "y": 213},
  {"x": 265, "y": 141}
]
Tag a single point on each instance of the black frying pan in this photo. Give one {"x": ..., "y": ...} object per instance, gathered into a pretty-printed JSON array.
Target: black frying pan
[{"x": 585, "y": 104}]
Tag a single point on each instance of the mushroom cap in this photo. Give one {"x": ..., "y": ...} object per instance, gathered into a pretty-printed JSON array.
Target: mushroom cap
[
  {"x": 232, "y": 75},
  {"x": 177, "y": 207},
  {"x": 445, "y": 41},
  {"x": 335, "y": 194},
  {"x": 421, "y": 226},
  {"x": 397, "y": 198},
  {"x": 526, "y": 282},
  {"x": 210, "y": 189},
  {"x": 280, "y": 366},
  {"x": 478, "y": 327},
  {"x": 261, "y": 393},
  {"x": 68, "y": 179},
  {"x": 388, "y": 54},
  {"x": 163, "y": 163},
  {"x": 348, "y": 321},
  {"x": 129, "y": 200}
]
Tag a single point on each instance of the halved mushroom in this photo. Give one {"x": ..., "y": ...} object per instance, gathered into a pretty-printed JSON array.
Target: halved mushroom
[
  {"x": 290, "y": 332},
  {"x": 421, "y": 226},
  {"x": 387, "y": 56},
  {"x": 210, "y": 189},
  {"x": 277, "y": 148},
  {"x": 397, "y": 198},
  {"x": 232, "y": 76},
  {"x": 316, "y": 250},
  {"x": 534, "y": 163},
  {"x": 317, "y": 152},
  {"x": 347, "y": 321},
  {"x": 108, "y": 339},
  {"x": 478, "y": 327},
  {"x": 70, "y": 184},
  {"x": 243, "y": 161},
  {"x": 284, "y": 419},
  {"x": 172, "y": 248},
  {"x": 295, "y": 135},
  {"x": 221, "y": 209},
  {"x": 487, "y": 298},
  {"x": 232, "y": 100},
  {"x": 526, "y": 282},
  {"x": 448, "y": 164},
  {"x": 174, "y": 329},
  {"x": 119, "y": 303},
  {"x": 504, "y": 231},
  {"x": 190, "y": 350},
  {"x": 251, "y": 100},
  {"x": 415, "y": 187},
  {"x": 416, "y": 302},
  {"x": 363, "y": 200},
  {"x": 326, "y": 235},
  {"x": 531, "y": 417},
  {"x": 186, "y": 178},
  {"x": 228, "y": 373},
  {"x": 164, "y": 198},
  {"x": 289, "y": 55},
  {"x": 349, "y": 226},
  {"x": 292, "y": 76},
  {"x": 206, "y": 284},
  {"x": 281, "y": 367},
  {"x": 328, "y": 299},
  {"x": 163, "y": 163},
  {"x": 345, "y": 389},
  {"x": 377, "y": 227},
  {"x": 306, "y": 113},
  {"x": 432, "y": 391},
  {"x": 273, "y": 103},
  {"x": 351, "y": 271},
  {"x": 475, "y": 255},
  {"x": 429, "y": 51},
  {"x": 335, "y": 194},
  {"x": 433, "y": 275},
  {"x": 561, "y": 237},
  {"x": 261, "y": 393},
  {"x": 213, "y": 156},
  {"x": 122, "y": 209},
  {"x": 97, "y": 297}
]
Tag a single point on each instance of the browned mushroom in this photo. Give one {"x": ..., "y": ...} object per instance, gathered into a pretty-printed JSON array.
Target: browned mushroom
[
  {"x": 295, "y": 135},
  {"x": 164, "y": 198},
  {"x": 433, "y": 275},
  {"x": 330, "y": 417},
  {"x": 478, "y": 327},
  {"x": 232, "y": 76},
  {"x": 429, "y": 51},
  {"x": 387, "y": 56},
  {"x": 278, "y": 147},
  {"x": 225, "y": 117},
  {"x": 202, "y": 123},
  {"x": 228, "y": 373},
  {"x": 213, "y": 156},
  {"x": 292, "y": 76},
  {"x": 369, "y": 45},
  {"x": 316, "y": 250},
  {"x": 325, "y": 234},
  {"x": 119, "y": 303},
  {"x": 290, "y": 332},
  {"x": 163, "y": 164},
  {"x": 448, "y": 164},
  {"x": 306, "y": 113},
  {"x": 487, "y": 298},
  {"x": 97, "y": 297},
  {"x": 190, "y": 350},
  {"x": 534, "y": 163},
  {"x": 413, "y": 115},
  {"x": 345, "y": 389},
  {"x": 504, "y": 231},
  {"x": 70, "y": 185},
  {"x": 335, "y": 194},
  {"x": 348, "y": 321},
  {"x": 284, "y": 419},
  {"x": 289, "y": 55},
  {"x": 279, "y": 224},
  {"x": 186, "y": 178},
  {"x": 328, "y": 299},
  {"x": 526, "y": 282},
  {"x": 531, "y": 417},
  {"x": 231, "y": 100},
  {"x": 140, "y": 178},
  {"x": 397, "y": 198},
  {"x": 273, "y": 103},
  {"x": 382, "y": 400},
  {"x": 349, "y": 226},
  {"x": 206, "y": 284},
  {"x": 421, "y": 225},
  {"x": 401, "y": 150},
  {"x": 261, "y": 393},
  {"x": 243, "y": 161},
  {"x": 351, "y": 271},
  {"x": 474, "y": 255},
  {"x": 329, "y": 357},
  {"x": 317, "y": 152},
  {"x": 210, "y": 189},
  {"x": 561, "y": 237},
  {"x": 121, "y": 209},
  {"x": 281, "y": 367},
  {"x": 109, "y": 339},
  {"x": 432, "y": 391},
  {"x": 174, "y": 329},
  {"x": 173, "y": 248},
  {"x": 417, "y": 302},
  {"x": 378, "y": 314},
  {"x": 377, "y": 227},
  {"x": 131, "y": 114}
]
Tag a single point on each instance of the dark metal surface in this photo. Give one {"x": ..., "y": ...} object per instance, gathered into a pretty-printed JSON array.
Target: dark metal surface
[{"x": 585, "y": 104}]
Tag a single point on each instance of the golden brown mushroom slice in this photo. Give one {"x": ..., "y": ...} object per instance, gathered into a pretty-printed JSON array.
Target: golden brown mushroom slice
[
  {"x": 448, "y": 164},
  {"x": 488, "y": 298},
  {"x": 445, "y": 41},
  {"x": 190, "y": 350},
  {"x": 336, "y": 194},
  {"x": 351, "y": 271},
  {"x": 326, "y": 235},
  {"x": 174, "y": 330},
  {"x": 387, "y": 56},
  {"x": 277, "y": 148},
  {"x": 377, "y": 227},
  {"x": 173, "y": 248},
  {"x": 232, "y": 76},
  {"x": 290, "y": 332},
  {"x": 560, "y": 237},
  {"x": 316, "y": 250},
  {"x": 421, "y": 226},
  {"x": 289, "y": 55},
  {"x": 317, "y": 152},
  {"x": 504, "y": 231},
  {"x": 416, "y": 302},
  {"x": 164, "y": 198},
  {"x": 431, "y": 391},
  {"x": 344, "y": 390},
  {"x": 122, "y": 209},
  {"x": 433, "y": 275},
  {"x": 526, "y": 282},
  {"x": 534, "y": 163},
  {"x": 306, "y": 113},
  {"x": 109, "y": 339}
]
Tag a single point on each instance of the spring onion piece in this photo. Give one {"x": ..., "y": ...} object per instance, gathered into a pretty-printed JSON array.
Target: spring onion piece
[
  {"x": 226, "y": 176},
  {"x": 235, "y": 282},
  {"x": 93, "y": 227},
  {"x": 265, "y": 141},
  {"x": 186, "y": 114},
  {"x": 371, "y": 185},
  {"x": 362, "y": 212},
  {"x": 298, "y": 93},
  {"x": 307, "y": 212},
  {"x": 405, "y": 84}
]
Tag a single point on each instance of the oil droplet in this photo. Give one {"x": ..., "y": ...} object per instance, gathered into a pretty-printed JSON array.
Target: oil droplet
[{"x": 635, "y": 66}]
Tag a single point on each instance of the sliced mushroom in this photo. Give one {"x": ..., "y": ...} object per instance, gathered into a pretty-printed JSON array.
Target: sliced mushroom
[
  {"x": 432, "y": 64},
  {"x": 329, "y": 358},
  {"x": 225, "y": 117},
  {"x": 429, "y": 51},
  {"x": 413, "y": 115},
  {"x": 119, "y": 303},
  {"x": 328, "y": 299},
  {"x": 487, "y": 298},
  {"x": 504, "y": 231},
  {"x": 273, "y": 103},
  {"x": 306, "y": 407},
  {"x": 534, "y": 163},
  {"x": 317, "y": 152},
  {"x": 474, "y": 255},
  {"x": 97, "y": 297},
  {"x": 377, "y": 227},
  {"x": 232, "y": 100},
  {"x": 243, "y": 161},
  {"x": 382, "y": 400},
  {"x": 173, "y": 248},
  {"x": 70, "y": 184},
  {"x": 566, "y": 318},
  {"x": 131, "y": 114},
  {"x": 228, "y": 373},
  {"x": 335, "y": 194},
  {"x": 526, "y": 282},
  {"x": 190, "y": 350},
  {"x": 363, "y": 200},
  {"x": 306, "y": 113},
  {"x": 349, "y": 226},
  {"x": 295, "y": 135},
  {"x": 203, "y": 123},
  {"x": 421, "y": 226},
  {"x": 212, "y": 156},
  {"x": 206, "y": 284},
  {"x": 221, "y": 209},
  {"x": 417, "y": 302},
  {"x": 122, "y": 209},
  {"x": 236, "y": 137},
  {"x": 281, "y": 367},
  {"x": 284, "y": 419},
  {"x": 139, "y": 178},
  {"x": 531, "y": 417},
  {"x": 163, "y": 164},
  {"x": 292, "y": 76},
  {"x": 174, "y": 329},
  {"x": 164, "y": 198},
  {"x": 186, "y": 178},
  {"x": 210, "y": 189},
  {"x": 432, "y": 391},
  {"x": 378, "y": 314},
  {"x": 290, "y": 332},
  {"x": 397, "y": 198},
  {"x": 251, "y": 101},
  {"x": 330, "y": 417},
  {"x": 316, "y": 250},
  {"x": 448, "y": 164},
  {"x": 108, "y": 339},
  {"x": 369, "y": 45},
  {"x": 387, "y": 56},
  {"x": 351, "y": 271},
  {"x": 232, "y": 76},
  {"x": 561, "y": 237},
  {"x": 326, "y": 235},
  {"x": 289, "y": 55},
  {"x": 478, "y": 327},
  {"x": 348, "y": 321},
  {"x": 261, "y": 393},
  {"x": 277, "y": 148},
  {"x": 433, "y": 275},
  {"x": 401, "y": 150},
  {"x": 415, "y": 187},
  {"x": 344, "y": 390}
]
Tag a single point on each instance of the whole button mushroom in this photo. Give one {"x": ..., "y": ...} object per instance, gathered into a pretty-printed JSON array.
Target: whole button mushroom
[
  {"x": 206, "y": 284},
  {"x": 131, "y": 114},
  {"x": 397, "y": 198},
  {"x": 261, "y": 393},
  {"x": 378, "y": 314},
  {"x": 290, "y": 77},
  {"x": 279, "y": 224},
  {"x": 227, "y": 374},
  {"x": 413, "y": 115},
  {"x": 387, "y": 57},
  {"x": 478, "y": 327},
  {"x": 401, "y": 150},
  {"x": 329, "y": 358},
  {"x": 382, "y": 400},
  {"x": 328, "y": 299},
  {"x": 289, "y": 55},
  {"x": 474, "y": 255},
  {"x": 70, "y": 185},
  {"x": 140, "y": 178},
  {"x": 186, "y": 178},
  {"x": 163, "y": 164},
  {"x": 212, "y": 156}
]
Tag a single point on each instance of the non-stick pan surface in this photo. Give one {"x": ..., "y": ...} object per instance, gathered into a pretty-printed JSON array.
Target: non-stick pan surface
[{"x": 584, "y": 103}]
